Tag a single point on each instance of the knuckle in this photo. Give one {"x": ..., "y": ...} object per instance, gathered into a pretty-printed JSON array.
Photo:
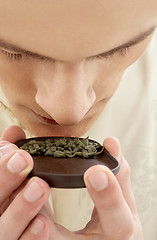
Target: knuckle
[
  {"x": 110, "y": 203},
  {"x": 115, "y": 204}
]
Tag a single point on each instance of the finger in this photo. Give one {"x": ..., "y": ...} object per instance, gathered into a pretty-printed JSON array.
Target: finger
[
  {"x": 15, "y": 164},
  {"x": 114, "y": 213},
  {"x": 113, "y": 147},
  {"x": 13, "y": 134},
  {"x": 38, "y": 229},
  {"x": 12, "y": 196},
  {"x": 23, "y": 209}
]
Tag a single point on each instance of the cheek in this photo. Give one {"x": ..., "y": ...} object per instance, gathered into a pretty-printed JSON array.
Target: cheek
[
  {"x": 109, "y": 72},
  {"x": 106, "y": 85},
  {"x": 106, "y": 80},
  {"x": 15, "y": 79}
]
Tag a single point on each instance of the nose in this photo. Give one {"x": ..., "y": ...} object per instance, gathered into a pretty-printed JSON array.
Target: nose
[{"x": 65, "y": 93}]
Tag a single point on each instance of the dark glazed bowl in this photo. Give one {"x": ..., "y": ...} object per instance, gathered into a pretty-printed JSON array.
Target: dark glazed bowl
[{"x": 67, "y": 172}]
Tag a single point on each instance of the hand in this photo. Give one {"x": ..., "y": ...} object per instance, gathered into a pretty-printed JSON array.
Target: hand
[
  {"x": 114, "y": 201},
  {"x": 20, "y": 199},
  {"x": 115, "y": 216}
]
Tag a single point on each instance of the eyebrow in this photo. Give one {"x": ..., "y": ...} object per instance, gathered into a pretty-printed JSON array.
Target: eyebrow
[{"x": 130, "y": 43}]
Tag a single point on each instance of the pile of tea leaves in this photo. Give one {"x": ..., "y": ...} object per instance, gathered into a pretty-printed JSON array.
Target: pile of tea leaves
[{"x": 64, "y": 147}]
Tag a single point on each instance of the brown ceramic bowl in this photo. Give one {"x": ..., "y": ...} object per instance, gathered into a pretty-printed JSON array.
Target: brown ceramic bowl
[{"x": 67, "y": 172}]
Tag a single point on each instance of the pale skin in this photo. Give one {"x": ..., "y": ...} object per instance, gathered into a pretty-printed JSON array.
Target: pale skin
[{"x": 72, "y": 88}]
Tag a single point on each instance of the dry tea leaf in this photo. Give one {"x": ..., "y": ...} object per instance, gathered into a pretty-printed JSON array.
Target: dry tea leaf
[{"x": 64, "y": 147}]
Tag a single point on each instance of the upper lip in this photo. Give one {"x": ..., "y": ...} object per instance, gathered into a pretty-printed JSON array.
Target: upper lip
[
  {"x": 41, "y": 115},
  {"x": 44, "y": 117}
]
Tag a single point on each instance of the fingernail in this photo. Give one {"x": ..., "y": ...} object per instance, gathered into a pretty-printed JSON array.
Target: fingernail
[
  {"x": 98, "y": 180},
  {"x": 9, "y": 148},
  {"x": 33, "y": 192},
  {"x": 16, "y": 163},
  {"x": 37, "y": 226}
]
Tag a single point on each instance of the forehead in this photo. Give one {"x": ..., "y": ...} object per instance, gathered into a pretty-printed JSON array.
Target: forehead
[{"x": 71, "y": 29}]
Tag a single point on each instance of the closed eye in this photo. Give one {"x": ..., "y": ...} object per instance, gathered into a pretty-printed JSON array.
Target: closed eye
[
  {"x": 121, "y": 52},
  {"x": 12, "y": 56}
]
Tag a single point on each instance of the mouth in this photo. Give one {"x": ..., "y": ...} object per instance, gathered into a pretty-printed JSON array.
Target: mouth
[{"x": 45, "y": 120}]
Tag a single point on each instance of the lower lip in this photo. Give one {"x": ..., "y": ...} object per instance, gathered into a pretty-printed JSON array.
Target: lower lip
[{"x": 45, "y": 120}]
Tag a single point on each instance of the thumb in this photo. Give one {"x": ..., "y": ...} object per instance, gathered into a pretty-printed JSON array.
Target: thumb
[{"x": 13, "y": 134}]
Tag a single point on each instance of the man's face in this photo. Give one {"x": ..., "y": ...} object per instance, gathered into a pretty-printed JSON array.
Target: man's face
[{"x": 51, "y": 61}]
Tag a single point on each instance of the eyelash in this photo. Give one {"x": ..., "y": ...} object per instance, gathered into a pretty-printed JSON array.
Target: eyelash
[
  {"x": 122, "y": 52},
  {"x": 12, "y": 56},
  {"x": 18, "y": 56}
]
